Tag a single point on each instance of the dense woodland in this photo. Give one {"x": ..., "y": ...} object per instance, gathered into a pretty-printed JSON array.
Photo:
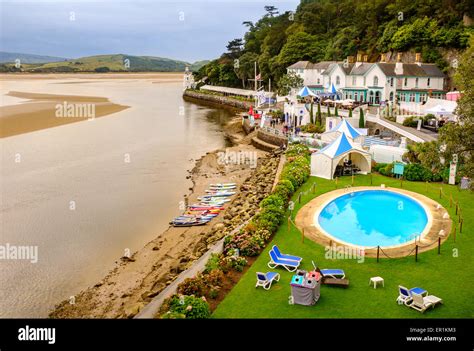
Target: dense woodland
[{"x": 334, "y": 29}]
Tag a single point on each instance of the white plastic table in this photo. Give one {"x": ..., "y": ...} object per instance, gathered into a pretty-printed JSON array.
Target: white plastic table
[{"x": 376, "y": 280}]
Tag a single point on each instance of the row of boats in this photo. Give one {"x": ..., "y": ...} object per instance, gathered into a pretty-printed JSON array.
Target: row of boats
[{"x": 209, "y": 206}]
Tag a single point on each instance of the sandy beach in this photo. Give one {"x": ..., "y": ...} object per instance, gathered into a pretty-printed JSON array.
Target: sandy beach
[
  {"x": 40, "y": 111},
  {"x": 136, "y": 280}
]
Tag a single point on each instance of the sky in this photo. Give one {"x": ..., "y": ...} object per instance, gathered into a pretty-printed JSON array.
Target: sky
[{"x": 188, "y": 30}]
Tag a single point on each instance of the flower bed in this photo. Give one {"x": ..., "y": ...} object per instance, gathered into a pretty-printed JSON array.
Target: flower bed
[{"x": 248, "y": 242}]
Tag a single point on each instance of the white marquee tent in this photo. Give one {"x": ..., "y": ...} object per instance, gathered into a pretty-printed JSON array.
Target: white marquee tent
[
  {"x": 324, "y": 162},
  {"x": 345, "y": 128}
]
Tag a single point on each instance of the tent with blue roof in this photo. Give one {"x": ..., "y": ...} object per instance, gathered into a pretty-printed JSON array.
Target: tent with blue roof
[
  {"x": 306, "y": 92},
  {"x": 340, "y": 151},
  {"x": 346, "y": 128}
]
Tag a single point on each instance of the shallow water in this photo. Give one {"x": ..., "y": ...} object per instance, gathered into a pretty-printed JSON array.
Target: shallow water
[{"x": 83, "y": 193}]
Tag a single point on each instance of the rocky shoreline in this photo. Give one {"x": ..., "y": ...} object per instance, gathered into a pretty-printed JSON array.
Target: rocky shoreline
[{"x": 137, "y": 279}]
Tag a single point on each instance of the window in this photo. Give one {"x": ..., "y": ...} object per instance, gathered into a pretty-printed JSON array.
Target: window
[
  {"x": 364, "y": 81},
  {"x": 391, "y": 82},
  {"x": 338, "y": 80},
  {"x": 319, "y": 81},
  {"x": 391, "y": 96},
  {"x": 412, "y": 97},
  {"x": 354, "y": 81},
  {"x": 406, "y": 82},
  {"x": 329, "y": 81},
  {"x": 376, "y": 81},
  {"x": 356, "y": 95},
  {"x": 428, "y": 81},
  {"x": 416, "y": 82}
]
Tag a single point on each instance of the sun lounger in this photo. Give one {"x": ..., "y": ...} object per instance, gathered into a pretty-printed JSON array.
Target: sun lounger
[
  {"x": 344, "y": 283},
  {"x": 422, "y": 303},
  {"x": 330, "y": 273},
  {"x": 285, "y": 257},
  {"x": 275, "y": 261},
  {"x": 405, "y": 295},
  {"x": 266, "y": 279}
]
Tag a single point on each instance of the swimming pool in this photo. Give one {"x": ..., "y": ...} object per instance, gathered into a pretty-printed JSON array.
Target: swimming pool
[{"x": 373, "y": 217}]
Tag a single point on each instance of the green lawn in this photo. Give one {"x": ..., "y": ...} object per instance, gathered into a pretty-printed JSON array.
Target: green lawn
[{"x": 448, "y": 277}]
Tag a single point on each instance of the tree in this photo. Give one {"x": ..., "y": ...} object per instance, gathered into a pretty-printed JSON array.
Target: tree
[
  {"x": 287, "y": 82},
  {"x": 245, "y": 68},
  {"x": 234, "y": 47},
  {"x": 350, "y": 113},
  {"x": 300, "y": 46},
  {"x": 311, "y": 114},
  {"x": 459, "y": 138},
  {"x": 329, "y": 111},
  {"x": 319, "y": 118},
  {"x": 361, "y": 118},
  {"x": 271, "y": 11},
  {"x": 248, "y": 24},
  {"x": 336, "y": 113}
]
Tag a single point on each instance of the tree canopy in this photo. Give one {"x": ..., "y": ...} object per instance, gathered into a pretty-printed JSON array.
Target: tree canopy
[{"x": 334, "y": 29}]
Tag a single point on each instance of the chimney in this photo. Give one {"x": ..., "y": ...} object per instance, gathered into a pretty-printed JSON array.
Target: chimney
[
  {"x": 350, "y": 59},
  {"x": 418, "y": 58},
  {"x": 399, "y": 57},
  {"x": 359, "y": 60},
  {"x": 366, "y": 57},
  {"x": 383, "y": 58}
]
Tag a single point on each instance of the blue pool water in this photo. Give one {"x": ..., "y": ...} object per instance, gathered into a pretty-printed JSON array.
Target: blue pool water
[{"x": 374, "y": 217}]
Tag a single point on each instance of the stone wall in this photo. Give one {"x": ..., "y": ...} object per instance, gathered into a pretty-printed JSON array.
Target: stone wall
[
  {"x": 221, "y": 100},
  {"x": 272, "y": 138}
]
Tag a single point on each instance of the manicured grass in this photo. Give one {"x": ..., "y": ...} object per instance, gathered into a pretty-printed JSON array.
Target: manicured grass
[{"x": 446, "y": 276}]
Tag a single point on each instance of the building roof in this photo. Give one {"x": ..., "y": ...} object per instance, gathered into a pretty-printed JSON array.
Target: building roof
[
  {"x": 300, "y": 65},
  {"x": 361, "y": 69},
  {"x": 323, "y": 65},
  {"x": 388, "y": 68},
  {"x": 411, "y": 69}
]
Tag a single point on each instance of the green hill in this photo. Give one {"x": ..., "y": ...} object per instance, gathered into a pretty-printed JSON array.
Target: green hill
[
  {"x": 9, "y": 57},
  {"x": 111, "y": 63}
]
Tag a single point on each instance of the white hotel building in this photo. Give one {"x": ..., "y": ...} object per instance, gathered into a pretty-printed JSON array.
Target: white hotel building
[{"x": 374, "y": 82}]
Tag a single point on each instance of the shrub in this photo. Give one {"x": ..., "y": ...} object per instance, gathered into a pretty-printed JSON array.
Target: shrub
[
  {"x": 416, "y": 172},
  {"x": 173, "y": 315},
  {"x": 313, "y": 128},
  {"x": 379, "y": 166},
  {"x": 236, "y": 263},
  {"x": 213, "y": 263},
  {"x": 273, "y": 200},
  {"x": 214, "y": 292},
  {"x": 411, "y": 122},
  {"x": 297, "y": 150},
  {"x": 189, "y": 306},
  {"x": 192, "y": 286},
  {"x": 243, "y": 241},
  {"x": 214, "y": 278}
]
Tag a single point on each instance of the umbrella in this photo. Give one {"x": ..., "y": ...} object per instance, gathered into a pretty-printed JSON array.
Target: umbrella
[
  {"x": 327, "y": 100},
  {"x": 306, "y": 92},
  {"x": 333, "y": 89}
]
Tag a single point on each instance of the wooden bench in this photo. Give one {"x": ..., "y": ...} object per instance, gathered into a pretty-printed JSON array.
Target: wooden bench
[{"x": 336, "y": 282}]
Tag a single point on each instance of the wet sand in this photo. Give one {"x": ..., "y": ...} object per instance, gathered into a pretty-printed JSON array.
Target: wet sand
[
  {"x": 175, "y": 76},
  {"x": 133, "y": 282},
  {"x": 39, "y": 111}
]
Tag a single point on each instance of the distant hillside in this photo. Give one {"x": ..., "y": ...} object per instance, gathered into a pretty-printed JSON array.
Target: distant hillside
[
  {"x": 110, "y": 63},
  {"x": 198, "y": 64},
  {"x": 11, "y": 57}
]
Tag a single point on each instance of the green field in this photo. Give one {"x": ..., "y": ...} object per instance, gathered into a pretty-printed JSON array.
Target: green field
[{"x": 446, "y": 276}]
